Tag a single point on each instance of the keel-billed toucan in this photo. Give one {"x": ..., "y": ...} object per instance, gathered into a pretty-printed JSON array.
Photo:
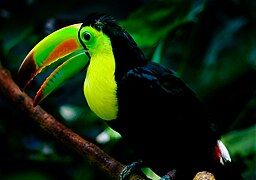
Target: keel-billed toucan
[{"x": 153, "y": 110}]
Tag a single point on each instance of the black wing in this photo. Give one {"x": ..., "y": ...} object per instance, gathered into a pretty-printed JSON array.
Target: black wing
[{"x": 159, "y": 114}]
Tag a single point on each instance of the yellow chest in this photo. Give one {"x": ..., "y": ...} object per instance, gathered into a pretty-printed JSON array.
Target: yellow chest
[{"x": 100, "y": 86}]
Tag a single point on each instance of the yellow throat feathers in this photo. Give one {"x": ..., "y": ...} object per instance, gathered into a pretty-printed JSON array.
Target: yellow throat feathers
[{"x": 100, "y": 85}]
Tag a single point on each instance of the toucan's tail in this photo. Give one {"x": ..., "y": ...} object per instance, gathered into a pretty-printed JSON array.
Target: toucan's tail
[
  {"x": 221, "y": 153},
  {"x": 226, "y": 169}
]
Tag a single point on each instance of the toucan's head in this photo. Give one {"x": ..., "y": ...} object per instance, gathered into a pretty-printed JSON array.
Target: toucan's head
[{"x": 98, "y": 43}]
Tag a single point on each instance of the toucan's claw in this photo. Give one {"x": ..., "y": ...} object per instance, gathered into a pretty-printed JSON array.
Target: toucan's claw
[
  {"x": 130, "y": 169},
  {"x": 169, "y": 176}
]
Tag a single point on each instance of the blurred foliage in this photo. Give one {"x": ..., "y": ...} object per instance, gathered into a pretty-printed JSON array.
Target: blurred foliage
[{"x": 210, "y": 44}]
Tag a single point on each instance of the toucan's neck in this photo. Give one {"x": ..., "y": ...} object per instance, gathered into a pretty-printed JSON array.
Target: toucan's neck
[
  {"x": 126, "y": 52},
  {"x": 108, "y": 64},
  {"x": 127, "y": 59},
  {"x": 100, "y": 85}
]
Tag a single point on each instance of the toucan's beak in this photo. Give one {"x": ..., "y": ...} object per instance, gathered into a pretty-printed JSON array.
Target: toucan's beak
[{"x": 62, "y": 47}]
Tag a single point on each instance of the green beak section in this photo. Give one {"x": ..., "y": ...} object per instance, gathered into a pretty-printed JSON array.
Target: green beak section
[
  {"x": 61, "y": 47},
  {"x": 66, "y": 70}
]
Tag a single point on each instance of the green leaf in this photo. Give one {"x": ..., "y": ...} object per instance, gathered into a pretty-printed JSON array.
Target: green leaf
[
  {"x": 13, "y": 38},
  {"x": 157, "y": 56},
  {"x": 155, "y": 20},
  {"x": 241, "y": 143},
  {"x": 150, "y": 174}
]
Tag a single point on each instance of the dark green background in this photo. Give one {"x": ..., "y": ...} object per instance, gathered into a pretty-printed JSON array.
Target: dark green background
[{"x": 210, "y": 44}]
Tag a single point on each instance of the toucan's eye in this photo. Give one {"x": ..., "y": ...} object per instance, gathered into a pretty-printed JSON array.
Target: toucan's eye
[{"x": 87, "y": 36}]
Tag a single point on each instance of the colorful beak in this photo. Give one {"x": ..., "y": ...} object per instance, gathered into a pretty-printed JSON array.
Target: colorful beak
[{"x": 62, "y": 47}]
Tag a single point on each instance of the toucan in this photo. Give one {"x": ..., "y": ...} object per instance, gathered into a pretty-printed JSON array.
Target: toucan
[{"x": 153, "y": 109}]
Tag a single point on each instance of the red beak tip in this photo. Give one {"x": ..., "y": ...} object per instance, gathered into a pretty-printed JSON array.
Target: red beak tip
[{"x": 35, "y": 104}]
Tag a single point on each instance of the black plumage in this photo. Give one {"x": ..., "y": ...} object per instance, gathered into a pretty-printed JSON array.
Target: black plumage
[
  {"x": 164, "y": 121},
  {"x": 159, "y": 115}
]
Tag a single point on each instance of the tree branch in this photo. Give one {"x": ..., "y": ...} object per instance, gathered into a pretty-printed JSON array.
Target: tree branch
[
  {"x": 63, "y": 134},
  {"x": 99, "y": 158}
]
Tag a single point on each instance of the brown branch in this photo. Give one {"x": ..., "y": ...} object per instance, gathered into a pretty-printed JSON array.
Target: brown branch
[
  {"x": 99, "y": 158},
  {"x": 63, "y": 134}
]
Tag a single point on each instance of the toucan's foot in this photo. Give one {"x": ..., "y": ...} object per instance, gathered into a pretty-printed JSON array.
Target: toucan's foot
[
  {"x": 130, "y": 169},
  {"x": 169, "y": 176}
]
